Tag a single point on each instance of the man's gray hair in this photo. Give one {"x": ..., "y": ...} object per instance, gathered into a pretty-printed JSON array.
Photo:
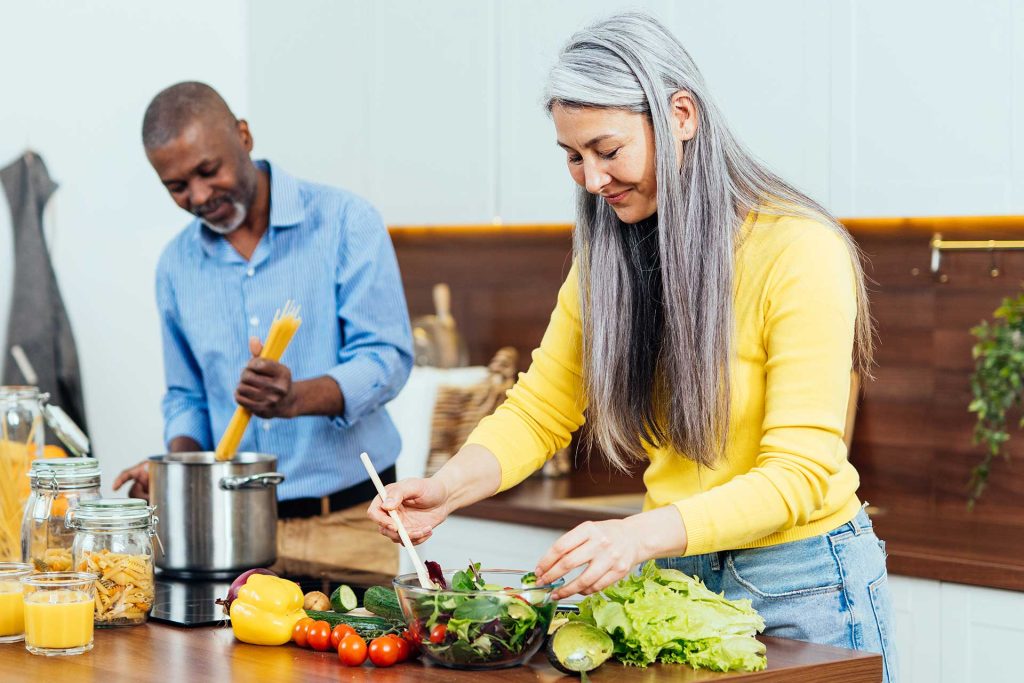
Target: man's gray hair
[{"x": 174, "y": 108}]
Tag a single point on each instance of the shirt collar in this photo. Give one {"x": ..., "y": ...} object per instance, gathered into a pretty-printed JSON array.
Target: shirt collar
[{"x": 286, "y": 207}]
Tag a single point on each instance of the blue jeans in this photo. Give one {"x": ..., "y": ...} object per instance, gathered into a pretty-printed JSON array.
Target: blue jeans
[{"x": 831, "y": 589}]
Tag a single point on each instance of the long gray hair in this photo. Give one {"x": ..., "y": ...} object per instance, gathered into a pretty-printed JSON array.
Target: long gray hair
[{"x": 673, "y": 390}]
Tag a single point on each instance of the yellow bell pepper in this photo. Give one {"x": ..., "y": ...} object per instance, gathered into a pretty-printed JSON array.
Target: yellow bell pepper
[{"x": 266, "y": 610}]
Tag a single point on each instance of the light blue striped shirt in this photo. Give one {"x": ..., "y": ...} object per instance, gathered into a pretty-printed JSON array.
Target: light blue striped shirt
[{"x": 329, "y": 251}]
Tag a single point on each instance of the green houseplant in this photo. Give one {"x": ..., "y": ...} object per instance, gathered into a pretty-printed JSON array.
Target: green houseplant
[{"x": 996, "y": 385}]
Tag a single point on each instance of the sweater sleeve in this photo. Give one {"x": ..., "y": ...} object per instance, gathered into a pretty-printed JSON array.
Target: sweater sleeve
[
  {"x": 809, "y": 307},
  {"x": 546, "y": 405}
]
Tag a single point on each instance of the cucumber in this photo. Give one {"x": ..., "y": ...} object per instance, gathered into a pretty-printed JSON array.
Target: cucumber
[
  {"x": 383, "y": 602},
  {"x": 367, "y": 627},
  {"x": 343, "y": 599}
]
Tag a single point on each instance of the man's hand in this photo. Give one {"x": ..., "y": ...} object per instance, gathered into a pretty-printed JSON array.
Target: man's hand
[
  {"x": 139, "y": 475},
  {"x": 266, "y": 387}
]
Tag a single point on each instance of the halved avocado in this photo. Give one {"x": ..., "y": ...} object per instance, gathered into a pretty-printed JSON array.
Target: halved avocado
[{"x": 576, "y": 647}]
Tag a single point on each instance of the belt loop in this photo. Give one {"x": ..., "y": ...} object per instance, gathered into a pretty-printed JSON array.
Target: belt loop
[
  {"x": 716, "y": 562},
  {"x": 855, "y": 523},
  {"x": 325, "y": 506}
]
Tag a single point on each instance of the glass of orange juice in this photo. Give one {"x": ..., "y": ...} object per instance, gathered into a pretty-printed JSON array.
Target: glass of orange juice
[
  {"x": 58, "y": 612},
  {"x": 12, "y": 613}
]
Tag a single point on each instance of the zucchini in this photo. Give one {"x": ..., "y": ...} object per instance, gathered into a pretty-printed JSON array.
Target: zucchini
[
  {"x": 367, "y": 627},
  {"x": 383, "y": 602}
]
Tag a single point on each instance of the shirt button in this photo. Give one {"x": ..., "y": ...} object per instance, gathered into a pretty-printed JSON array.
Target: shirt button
[
  {"x": 250, "y": 272},
  {"x": 266, "y": 425},
  {"x": 254, "y": 321}
]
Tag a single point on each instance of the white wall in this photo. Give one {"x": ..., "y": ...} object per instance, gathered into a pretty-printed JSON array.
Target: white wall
[
  {"x": 76, "y": 78},
  {"x": 875, "y": 107}
]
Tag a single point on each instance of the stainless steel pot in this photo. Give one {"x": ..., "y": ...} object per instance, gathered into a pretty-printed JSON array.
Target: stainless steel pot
[{"x": 216, "y": 518}]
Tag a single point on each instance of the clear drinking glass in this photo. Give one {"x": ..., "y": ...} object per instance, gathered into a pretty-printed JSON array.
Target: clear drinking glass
[
  {"x": 59, "y": 612},
  {"x": 12, "y": 611}
]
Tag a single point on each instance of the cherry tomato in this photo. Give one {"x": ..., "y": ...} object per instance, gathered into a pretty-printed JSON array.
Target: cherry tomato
[
  {"x": 300, "y": 632},
  {"x": 383, "y": 651},
  {"x": 404, "y": 648},
  {"x": 352, "y": 650},
  {"x": 338, "y": 634},
  {"x": 319, "y": 636},
  {"x": 438, "y": 633}
]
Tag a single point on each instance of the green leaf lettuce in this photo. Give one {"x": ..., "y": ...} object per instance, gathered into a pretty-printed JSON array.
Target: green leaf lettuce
[{"x": 664, "y": 615}]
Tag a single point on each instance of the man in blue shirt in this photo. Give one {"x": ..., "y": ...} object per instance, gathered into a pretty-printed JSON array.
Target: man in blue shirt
[{"x": 261, "y": 237}]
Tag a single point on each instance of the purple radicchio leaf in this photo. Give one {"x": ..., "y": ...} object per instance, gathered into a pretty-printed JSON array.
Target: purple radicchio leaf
[{"x": 434, "y": 571}]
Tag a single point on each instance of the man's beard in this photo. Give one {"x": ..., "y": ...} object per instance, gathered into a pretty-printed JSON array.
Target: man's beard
[{"x": 236, "y": 220}]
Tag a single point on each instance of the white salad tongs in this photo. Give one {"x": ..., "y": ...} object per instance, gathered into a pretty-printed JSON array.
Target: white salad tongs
[{"x": 421, "y": 570}]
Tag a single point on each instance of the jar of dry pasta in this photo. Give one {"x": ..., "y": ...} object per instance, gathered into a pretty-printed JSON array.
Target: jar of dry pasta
[
  {"x": 21, "y": 442},
  {"x": 58, "y": 485},
  {"x": 114, "y": 541}
]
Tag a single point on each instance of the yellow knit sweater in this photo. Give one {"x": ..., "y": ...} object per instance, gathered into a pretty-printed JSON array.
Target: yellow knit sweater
[{"x": 785, "y": 475}]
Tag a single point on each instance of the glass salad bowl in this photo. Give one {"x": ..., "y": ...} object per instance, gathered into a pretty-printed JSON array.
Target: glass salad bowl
[{"x": 483, "y": 619}]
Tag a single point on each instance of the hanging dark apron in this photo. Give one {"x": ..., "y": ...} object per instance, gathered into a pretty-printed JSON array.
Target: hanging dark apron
[{"x": 38, "y": 322}]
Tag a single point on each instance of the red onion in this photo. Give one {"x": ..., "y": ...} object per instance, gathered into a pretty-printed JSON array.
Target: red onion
[{"x": 239, "y": 582}]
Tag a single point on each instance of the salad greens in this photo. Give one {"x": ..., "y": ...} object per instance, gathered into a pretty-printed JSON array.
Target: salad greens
[
  {"x": 481, "y": 623},
  {"x": 666, "y": 616}
]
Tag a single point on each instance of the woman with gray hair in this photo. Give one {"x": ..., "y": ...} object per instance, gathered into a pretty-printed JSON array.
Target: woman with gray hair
[{"x": 708, "y": 328}]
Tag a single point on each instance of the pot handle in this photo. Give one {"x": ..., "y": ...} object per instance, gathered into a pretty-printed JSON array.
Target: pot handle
[{"x": 263, "y": 480}]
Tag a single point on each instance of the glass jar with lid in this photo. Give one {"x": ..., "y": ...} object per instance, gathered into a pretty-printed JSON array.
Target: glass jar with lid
[
  {"x": 21, "y": 442},
  {"x": 58, "y": 485},
  {"x": 24, "y": 416},
  {"x": 114, "y": 541}
]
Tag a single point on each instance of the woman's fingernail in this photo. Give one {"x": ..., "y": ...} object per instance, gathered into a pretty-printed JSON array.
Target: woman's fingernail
[{"x": 388, "y": 502}]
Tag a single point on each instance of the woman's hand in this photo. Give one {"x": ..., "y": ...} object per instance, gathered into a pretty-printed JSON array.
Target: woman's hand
[
  {"x": 421, "y": 504},
  {"x": 611, "y": 549}
]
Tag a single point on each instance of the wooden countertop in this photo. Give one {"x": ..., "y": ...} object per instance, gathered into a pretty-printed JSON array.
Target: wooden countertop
[
  {"x": 945, "y": 544},
  {"x": 166, "y": 654}
]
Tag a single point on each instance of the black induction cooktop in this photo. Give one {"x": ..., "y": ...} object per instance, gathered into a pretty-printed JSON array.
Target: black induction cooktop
[{"x": 192, "y": 601}]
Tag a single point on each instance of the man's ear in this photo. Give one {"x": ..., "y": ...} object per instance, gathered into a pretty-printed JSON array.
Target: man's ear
[
  {"x": 244, "y": 135},
  {"x": 684, "y": 112}
]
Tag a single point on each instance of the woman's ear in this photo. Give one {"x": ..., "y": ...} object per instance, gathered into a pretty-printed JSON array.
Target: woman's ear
[{"x": 684, "y": 112}]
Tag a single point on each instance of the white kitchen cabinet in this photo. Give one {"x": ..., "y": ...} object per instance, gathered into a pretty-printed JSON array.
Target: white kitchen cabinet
[
  {"x": 918, "y": 614},
  {"x": 982, "y": 634},
  {"x": 952, "y": 633}
]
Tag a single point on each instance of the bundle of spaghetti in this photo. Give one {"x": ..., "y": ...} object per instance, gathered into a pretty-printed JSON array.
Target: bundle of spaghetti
[
  {"x": 282, "y": 329},
  {"x": 15, "y": 459}
]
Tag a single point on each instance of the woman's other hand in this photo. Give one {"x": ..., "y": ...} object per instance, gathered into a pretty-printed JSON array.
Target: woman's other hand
[
  {"x": 421, "y": 504},
  {"x": 608, "y": 549}
]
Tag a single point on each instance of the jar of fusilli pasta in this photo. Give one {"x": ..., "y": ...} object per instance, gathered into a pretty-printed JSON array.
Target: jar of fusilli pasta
[{"x": 114, "y": 541}]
